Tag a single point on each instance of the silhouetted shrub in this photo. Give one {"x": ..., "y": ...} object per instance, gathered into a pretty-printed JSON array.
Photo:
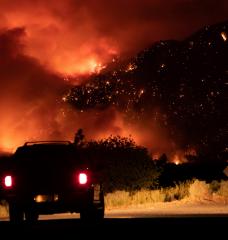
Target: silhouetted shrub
[{"x": 125, "y": 166}]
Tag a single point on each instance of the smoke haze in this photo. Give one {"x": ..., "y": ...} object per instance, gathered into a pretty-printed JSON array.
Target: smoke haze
[{"x": 75, "y": 36}]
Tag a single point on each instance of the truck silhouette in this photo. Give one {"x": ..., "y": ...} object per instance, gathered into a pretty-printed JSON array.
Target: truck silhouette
[{"x": 50, "y": 177}]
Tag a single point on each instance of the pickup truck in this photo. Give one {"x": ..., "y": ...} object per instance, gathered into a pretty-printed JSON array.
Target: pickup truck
[{"x": 51, "y": 177}]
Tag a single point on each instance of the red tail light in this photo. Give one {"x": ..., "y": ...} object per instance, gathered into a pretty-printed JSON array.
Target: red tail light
[
  {"x": 82, "y": 178},
  {"x": 8, "y": 181}
]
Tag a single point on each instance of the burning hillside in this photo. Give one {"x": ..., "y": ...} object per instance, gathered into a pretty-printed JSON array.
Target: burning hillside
[{"x": 56, "y": 77}]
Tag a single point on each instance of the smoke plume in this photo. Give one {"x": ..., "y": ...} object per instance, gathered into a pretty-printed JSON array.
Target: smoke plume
[{"x": 43, "y": 44}]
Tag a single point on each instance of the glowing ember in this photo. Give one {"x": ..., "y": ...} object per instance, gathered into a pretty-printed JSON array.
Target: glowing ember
[
  {"x": 141, "y": 92},
  {"x": 224, "y": 36},
  {"x": 131, "y": 67}
]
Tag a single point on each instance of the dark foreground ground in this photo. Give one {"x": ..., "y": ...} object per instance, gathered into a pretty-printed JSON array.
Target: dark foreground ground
[{"x": 214, "y": 227}]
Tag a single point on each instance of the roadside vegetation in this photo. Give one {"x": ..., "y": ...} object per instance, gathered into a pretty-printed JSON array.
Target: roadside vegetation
[
  {"x": 193, "y": 190},
  {"x": 123, "y": 165}
]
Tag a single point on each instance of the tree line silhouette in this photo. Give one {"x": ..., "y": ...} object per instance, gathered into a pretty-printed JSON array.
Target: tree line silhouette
[{"x": 123, "y": 165}]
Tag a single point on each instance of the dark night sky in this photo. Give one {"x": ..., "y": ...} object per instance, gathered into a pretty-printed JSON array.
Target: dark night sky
[{"x": 46, "y": 47}]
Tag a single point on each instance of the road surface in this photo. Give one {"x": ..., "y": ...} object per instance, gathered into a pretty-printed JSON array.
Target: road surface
[
  {"x": 190, "y": 227},
  {"x": 127, "y": 223}
]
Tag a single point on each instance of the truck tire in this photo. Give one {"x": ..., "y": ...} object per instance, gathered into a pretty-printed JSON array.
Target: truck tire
[
  {"x": 16, "y": 214},
  {"x": 100, "y": 208},
  {"x": 31, "y": 215},
  {"x": 94, "y": 213}
]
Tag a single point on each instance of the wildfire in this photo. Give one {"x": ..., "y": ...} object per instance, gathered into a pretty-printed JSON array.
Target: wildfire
[
  {"x": 176, "y": 160},
  {"x": 94, "y": 67},
  {"x": 73, "y": 67},
  {"x": 72, "y": 40}
]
